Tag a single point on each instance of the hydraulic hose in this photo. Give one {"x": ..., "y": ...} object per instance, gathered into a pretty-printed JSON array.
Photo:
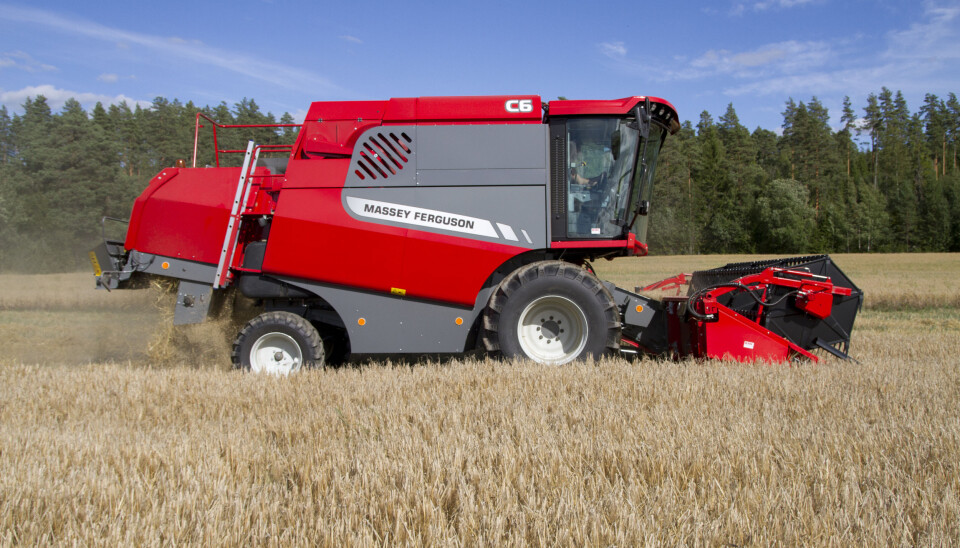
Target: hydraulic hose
[{"x": 759, "y": 300}]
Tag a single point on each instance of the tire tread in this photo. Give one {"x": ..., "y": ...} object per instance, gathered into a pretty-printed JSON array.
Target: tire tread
[
  {"x": 313, "y": 352},
  {"x": 531, "y": 272}
]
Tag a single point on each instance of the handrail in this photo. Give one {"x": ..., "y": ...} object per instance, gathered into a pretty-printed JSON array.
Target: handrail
[{"x": 216, "y": 149}]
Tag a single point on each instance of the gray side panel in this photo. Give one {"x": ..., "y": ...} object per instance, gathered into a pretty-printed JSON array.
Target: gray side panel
[
  {"x": 482, "y": 177},
  {"x": 518, "y": 146},
  {"x": 643, "y": 319},
  {"x": 456, "y": 155},
  {"x": 193, "y": 302},
  {"x": 511, "y": 215},
  {"x": 396, "y": 325},
  {"x": 175, "y": 268}
]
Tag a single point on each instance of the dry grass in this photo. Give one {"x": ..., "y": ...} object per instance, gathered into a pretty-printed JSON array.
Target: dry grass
[
  {"x": 482, "y": 453},
  {"x": 21, "y": 292}
]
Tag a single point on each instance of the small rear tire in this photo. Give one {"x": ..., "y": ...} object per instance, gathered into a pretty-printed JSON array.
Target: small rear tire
[
  {"x": 553, "y": 313},
  {"x": 279, "y": 343}
]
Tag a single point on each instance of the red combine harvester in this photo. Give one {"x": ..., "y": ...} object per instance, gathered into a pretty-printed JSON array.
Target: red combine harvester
[{"x": 440, "y": 225}]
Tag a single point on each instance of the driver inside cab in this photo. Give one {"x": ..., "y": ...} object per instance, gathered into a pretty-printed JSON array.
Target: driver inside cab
[{"x": 589, "y": 163}]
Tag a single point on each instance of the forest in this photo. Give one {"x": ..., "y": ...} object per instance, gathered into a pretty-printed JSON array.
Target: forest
[{"x": 887, "y": 180}]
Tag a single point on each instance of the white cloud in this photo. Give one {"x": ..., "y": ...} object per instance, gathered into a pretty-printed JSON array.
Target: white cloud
[
  {"x": 23, "y": 61},
  {"x": 299, "y": 115},
  {"x": 352, "y": 39},
  {"x": 937, "y": 37},
  {"x": 189, "y": 50},
  {"x": 767, "y": 4},
  {"x": 111, "y": 78},
  {"x": 613, "y": 50},
  {"x": 739, "y": 8},
  {"x": 921, "y": 58},
  {"x": 56, "y": 97},
  {"x": 780, "y": 57}
]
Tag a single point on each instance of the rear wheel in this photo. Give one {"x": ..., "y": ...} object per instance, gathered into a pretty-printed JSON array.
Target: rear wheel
[
  {"x": 553, "y": 313},
  {"x": 279, "y": 343}
]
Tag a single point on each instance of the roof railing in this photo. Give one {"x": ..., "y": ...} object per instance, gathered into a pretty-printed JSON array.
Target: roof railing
[{"x": 216, "y": 148}]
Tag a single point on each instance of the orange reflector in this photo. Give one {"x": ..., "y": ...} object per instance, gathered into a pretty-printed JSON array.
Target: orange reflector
[
  {"x": 398, "y": 291},
  {"x": 361, "y": 322},
  {"x": 639, "y": 308},
  {"x": 459, "y": 321},
  {"x": 164, "y": 265}
]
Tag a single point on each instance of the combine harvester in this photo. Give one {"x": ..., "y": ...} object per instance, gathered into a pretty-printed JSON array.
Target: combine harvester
[{"x": 441, "y": 225}]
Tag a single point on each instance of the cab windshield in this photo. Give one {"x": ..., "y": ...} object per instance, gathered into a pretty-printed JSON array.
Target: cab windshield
[
  {"x": 642, "y": 189},
  {"x": 602, "y": 155}
]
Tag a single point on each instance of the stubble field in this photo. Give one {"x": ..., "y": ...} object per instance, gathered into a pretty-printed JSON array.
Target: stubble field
[{"x": 115, "y": 429}]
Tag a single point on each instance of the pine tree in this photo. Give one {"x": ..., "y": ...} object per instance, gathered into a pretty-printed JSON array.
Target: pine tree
[
  {"x": 788, "y": 140},
  {"x": 725, "y": 226},
  {"x": 740, "y": 149},
  {"x": 953, "y": 131},
  {"x": 870, "y": 219},
  {"x": 672, "y": 222},
  {"x": 934, "y": 114},
  {"x": 288, "y": 134},
  {"x": 6, "y": 137},
  {"x": 768, "y": 155},
  {"x": 7, "y": 197},
  {"x": 873, "y": 124},
  {"x": 849, "y": 120}
]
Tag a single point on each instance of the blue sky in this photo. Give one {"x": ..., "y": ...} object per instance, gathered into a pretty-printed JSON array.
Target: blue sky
[{"x": 285, "y": 54}]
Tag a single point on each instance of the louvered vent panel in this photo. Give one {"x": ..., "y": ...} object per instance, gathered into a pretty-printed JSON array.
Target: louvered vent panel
[{"x": 382, "y": 154}]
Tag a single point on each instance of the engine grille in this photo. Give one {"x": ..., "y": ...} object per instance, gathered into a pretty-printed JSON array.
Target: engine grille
[{"x": 382, "y": 154}]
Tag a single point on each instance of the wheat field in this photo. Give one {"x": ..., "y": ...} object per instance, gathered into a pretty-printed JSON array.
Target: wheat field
[{"x": 108, "y": 436}]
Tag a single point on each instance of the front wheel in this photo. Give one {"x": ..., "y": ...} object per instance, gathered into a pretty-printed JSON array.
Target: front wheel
[
  {"x": 552, "y": 313},
  {"x": 279, "y": 343}
]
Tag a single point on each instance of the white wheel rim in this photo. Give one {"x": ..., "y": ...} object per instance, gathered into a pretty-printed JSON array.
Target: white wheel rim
[
  {"x": 552, "y": 330},
  {"x": 276, "y": 353}
]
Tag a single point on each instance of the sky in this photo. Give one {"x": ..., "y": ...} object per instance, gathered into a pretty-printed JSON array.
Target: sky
[{"x": 700, "y": 56}]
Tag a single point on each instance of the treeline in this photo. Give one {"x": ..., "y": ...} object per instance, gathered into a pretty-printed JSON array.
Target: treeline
[
  {"x": 60, "y": 173},
  {"x": 887, "y": 181}
]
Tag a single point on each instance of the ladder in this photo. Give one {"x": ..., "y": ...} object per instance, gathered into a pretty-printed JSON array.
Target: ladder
[{"x": 227, "y": 251}]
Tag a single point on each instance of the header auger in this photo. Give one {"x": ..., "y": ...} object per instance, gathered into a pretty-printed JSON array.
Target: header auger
[{"x": 441, "y": 225}]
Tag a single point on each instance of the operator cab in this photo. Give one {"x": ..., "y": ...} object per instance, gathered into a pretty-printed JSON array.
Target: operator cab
[{"x": 603, "y": 158}]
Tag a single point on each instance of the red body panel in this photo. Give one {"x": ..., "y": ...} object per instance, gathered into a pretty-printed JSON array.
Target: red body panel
[
  {"x": 613, "y": 106},
  {"x": 431, "y": 110},
  {"x": 184, "y": 214},
  {"x": 450, "y": 269},
  {"x": 333, "y": 127},
  {"x": 634, "y": 247},
  {"x": 313, "y": 237},
  {"x": 499, "y": 109}
]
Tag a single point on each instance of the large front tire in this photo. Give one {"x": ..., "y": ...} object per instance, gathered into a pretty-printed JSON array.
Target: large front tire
[
  {"x": 279, "y": 343},
  {"x": 553, "y": 313}
]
